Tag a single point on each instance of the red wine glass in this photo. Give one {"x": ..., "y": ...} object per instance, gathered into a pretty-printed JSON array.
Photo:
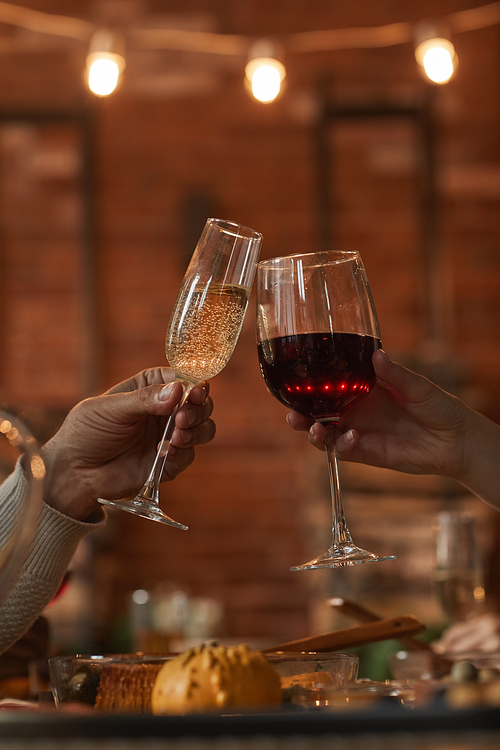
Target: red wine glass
[{"x": 317, "y": 329}]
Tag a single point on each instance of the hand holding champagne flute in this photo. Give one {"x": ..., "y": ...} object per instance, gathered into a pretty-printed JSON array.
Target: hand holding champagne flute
[
  {"x": 317, "y": 330},
  {"x": 203, "y": 330}
]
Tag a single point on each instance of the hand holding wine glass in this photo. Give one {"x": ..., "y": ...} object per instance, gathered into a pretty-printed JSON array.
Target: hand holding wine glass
[
  {"x": 317, "y": 330},
  {"x": 203, "y": 330}
]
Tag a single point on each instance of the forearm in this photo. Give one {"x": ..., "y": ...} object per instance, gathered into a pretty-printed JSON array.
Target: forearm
[
  {"x": 54, "y": 543},
  {"x": 480, "y": 471}
]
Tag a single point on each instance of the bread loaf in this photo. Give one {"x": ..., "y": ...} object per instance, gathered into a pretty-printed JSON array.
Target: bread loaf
[{"x": 208, "y": 678}]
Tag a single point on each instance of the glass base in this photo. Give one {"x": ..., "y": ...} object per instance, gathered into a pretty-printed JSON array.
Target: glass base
[
  {"x": 145, "y": 508},
  {"x": 343, "y": 556}
]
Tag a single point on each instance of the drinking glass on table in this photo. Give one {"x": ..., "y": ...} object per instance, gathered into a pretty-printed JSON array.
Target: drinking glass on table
[
  {"x": 317, "y": 329},
  {"x": 458, "y": 566},
  {"x": 203, "y": 330}
]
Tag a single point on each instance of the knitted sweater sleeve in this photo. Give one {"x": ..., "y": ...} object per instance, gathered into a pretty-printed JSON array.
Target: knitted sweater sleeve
[{"x": 55, "y": 541}]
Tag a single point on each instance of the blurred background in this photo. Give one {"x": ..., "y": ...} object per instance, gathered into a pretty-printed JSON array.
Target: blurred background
[{"x": 102, "y": 199}]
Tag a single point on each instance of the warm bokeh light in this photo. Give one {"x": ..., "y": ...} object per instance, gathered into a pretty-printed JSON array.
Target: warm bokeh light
[
  {"x": 438, "y": 59},
  {"x": 5, "y": 426},
  {"x": 479, "y": 594},
  {"x": 103, "y": 75},
  {"x": 37, "y": 467},
  {"x": 265, "y": 75}
]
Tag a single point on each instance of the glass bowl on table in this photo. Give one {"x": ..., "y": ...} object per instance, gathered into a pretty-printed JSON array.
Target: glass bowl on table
[
  {"x": 123, "y": 682},
  {"x": 308, "y": 676},
  {"x": 79, "y": 680}
]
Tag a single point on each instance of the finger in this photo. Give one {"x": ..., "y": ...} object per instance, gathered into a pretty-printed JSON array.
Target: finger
[
  {"x": 198, "y": 435},
  {"x": 126, "y": 408},
  {"x": 317, "y": 435},
  {"x": 151, "y": 376},
  {"x": 408, "y": 384},
  {"x": 178, "y": 460},
  {"x": 345, "y": 444},
  {"x": 199, "y": 393},
  {"x": 191, "y": 415},
  {"x": 298, "y": 421}
]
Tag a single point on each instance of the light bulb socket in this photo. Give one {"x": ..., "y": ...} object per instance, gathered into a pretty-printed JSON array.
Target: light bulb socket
[
  {"x": 430, "y": 34},
  {"x": 107, "y": 44},
  {"x": 259, "y": 62},
  {"x": 265, "y": 51},
  {"x": 265, "y": 47}
]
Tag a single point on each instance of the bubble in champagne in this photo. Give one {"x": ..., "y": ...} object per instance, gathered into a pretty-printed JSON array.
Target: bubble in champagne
[{"x": 204, "y": 329}]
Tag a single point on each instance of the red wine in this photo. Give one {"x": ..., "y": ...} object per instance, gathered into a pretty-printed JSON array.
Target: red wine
[{"x": 322, "y": 374}]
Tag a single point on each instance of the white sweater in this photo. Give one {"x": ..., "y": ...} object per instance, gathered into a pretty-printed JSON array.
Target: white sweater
[{"x": 55, "y": 541}]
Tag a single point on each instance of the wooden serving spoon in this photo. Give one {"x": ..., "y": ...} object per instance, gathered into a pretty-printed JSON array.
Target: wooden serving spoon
[
  {"x": 380, "y": 630},
  {"x": 365, "y": 615}
]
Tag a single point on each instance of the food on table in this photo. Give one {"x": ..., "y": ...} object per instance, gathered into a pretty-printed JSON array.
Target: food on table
[
  {"x": 308, "y": 680},
  {"x": 208, "y": 678},
  {"x": 467, "y": 686},
  {"x": 83, "y": 685},
  {"x": 126, "y": 688}
]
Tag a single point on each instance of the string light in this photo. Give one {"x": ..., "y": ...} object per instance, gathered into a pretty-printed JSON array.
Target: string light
[
  {"x": 264, "y": 71},
  {"x": 435, "y": 53},
  {"x": 233, "y": 44},
  {"x": 105, "y": 62}
]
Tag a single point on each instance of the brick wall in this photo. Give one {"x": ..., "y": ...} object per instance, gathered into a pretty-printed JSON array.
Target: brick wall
[{"x": 159, "y": 146}]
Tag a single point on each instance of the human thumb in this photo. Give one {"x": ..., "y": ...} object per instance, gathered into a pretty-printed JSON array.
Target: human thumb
[
  {"x": 408, "y": 384},
  {"x": 125, "y": 408}
]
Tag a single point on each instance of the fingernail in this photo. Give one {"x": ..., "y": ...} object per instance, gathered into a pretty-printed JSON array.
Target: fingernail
[
  {"x": 166, "y": 392},
  {"x": 349, "y": 436},
  {"x": 385, "y": 356},
  {"x": 187, "y": 436}
]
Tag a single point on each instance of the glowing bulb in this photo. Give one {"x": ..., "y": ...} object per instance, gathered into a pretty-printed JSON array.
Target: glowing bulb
[
  {"x": 438, "y": 64},
  {"x": 103, "y": 76},
  {"x": 264, "y": 73},
  {"x": 266, "y": 77},
  {"x": 438, "y": 59},
  {"x": 105, "y": 62}
]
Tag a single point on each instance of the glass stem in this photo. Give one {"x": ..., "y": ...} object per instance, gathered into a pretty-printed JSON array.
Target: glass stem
[
  {"x": 151, "y": 487},
  {"x": 340, "y": 532}
]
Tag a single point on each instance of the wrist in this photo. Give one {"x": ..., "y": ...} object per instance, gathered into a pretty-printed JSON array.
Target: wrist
[
  {"x": 63, "y": 489},
  {"x": 480, "y": 467}
]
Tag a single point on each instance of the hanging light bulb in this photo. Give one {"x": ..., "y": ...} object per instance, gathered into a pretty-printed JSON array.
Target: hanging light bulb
[
  {"x": 105, "y": 62},
  {"x": 264, "y": 72},
  {"x": 435, "y": 53}
]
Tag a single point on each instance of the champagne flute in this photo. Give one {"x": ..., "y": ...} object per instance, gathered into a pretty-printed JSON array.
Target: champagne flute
[
  {"x": 458, "y": 566},
  {"x": 317, "y": 329},
  {"x": 203, "y": 330}
]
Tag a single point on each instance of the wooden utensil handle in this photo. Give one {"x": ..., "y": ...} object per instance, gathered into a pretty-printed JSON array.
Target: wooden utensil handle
[
  {"x": 363, "y": 614},
  {"x": 359, "y": 635},
  {"x": 352, "y": 609}
]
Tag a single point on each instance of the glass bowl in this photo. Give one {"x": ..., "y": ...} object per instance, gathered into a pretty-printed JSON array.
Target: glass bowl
[
  {"x": 308, "y": 673},
  {"x": 364, "y": 694},
  {"x": 76, "y": 679}
]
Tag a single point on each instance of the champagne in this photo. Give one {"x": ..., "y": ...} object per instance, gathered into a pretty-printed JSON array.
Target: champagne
[
  {"x": 204, "y": 328},
  {"x": 460, "y": 593}
]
